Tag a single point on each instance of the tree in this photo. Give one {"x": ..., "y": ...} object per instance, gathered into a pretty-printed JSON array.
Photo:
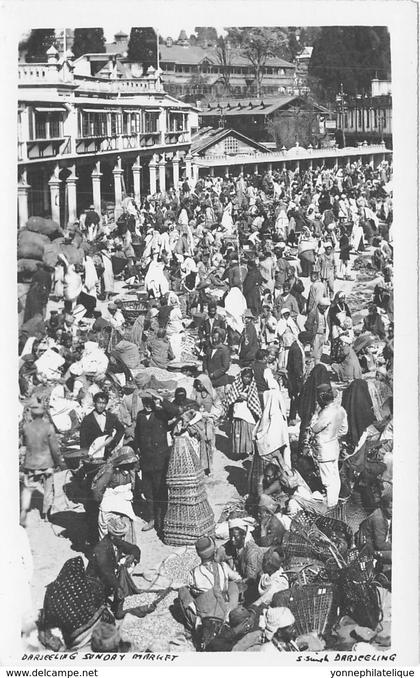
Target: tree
[
  {"x": 142, "y": 47},
  {"x": 39, "y": 41},
  {"x": 88, "y": 40},
  {"x": 298, "y": 124},
  {"x": 224, "y": 58},
  {"x": 351, "y": 55},
  {"x": 294, "y": 45},
  {"x": 205, "y": 34},
  {"x": 256, "y": 45}
]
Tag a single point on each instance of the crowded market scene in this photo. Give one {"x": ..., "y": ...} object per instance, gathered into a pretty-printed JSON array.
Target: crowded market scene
[{"x": 206, "y": 416}]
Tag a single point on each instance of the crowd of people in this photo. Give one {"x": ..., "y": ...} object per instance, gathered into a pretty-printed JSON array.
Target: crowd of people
[{"x": 224, "y": 310}]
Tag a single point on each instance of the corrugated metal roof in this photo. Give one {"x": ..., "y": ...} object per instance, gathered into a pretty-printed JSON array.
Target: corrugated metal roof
[{"x": 254, "y": 106}]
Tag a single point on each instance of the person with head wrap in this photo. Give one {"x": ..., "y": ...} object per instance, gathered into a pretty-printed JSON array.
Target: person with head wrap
[
  {"x": 75, "y": 604},
  {"x": 317, "y": 325},
  {"x": 249, "y": 341},
  {"x": 348, "y": 368},
  {"x": 327, "y": 427},
  {"x": 107, "y": 555},
  {"x": 243, "y": 404},
  {"x": 243, "y": 553},
  {"x": 337, "y": 314},
  {"x": 279, "y": 631}
]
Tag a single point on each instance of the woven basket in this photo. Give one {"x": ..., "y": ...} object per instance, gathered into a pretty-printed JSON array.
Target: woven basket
[
  {"x": 312, "y": 605},
  {"x": 359, "y": 595}
]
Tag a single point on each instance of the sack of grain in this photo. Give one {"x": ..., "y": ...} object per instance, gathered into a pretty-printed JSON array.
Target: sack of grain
[
  {"x": 41, "y": 225},
  {"x": 31, "y": 245}
]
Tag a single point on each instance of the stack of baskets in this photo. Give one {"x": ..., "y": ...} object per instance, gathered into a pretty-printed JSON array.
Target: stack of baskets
[
  {"x": 359, "y": 593},
  {"x": 189, "y": 515}
]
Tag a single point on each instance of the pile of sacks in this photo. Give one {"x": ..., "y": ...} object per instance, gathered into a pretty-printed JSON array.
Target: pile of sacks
[{"x": 42, "y": 240}]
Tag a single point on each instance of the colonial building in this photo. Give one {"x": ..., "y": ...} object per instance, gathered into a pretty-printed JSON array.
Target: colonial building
[
  {"x": 253, "y": 118},
  {"x": 366, "y": 117},
  {"x": 88, "y": 139},
  {"x": 198, "y": 70}
]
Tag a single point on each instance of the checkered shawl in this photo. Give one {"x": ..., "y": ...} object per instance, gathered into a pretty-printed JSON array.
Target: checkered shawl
[{"x": 252, "y": 399}]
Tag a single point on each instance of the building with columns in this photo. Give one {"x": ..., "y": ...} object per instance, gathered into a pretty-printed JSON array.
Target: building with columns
[{"x": 86, "y": 139}]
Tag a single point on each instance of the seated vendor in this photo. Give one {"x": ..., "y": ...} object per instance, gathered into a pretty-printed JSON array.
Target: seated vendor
[
  {"x": 212, "y": 590},
  {"x": 271, "y": 531}
]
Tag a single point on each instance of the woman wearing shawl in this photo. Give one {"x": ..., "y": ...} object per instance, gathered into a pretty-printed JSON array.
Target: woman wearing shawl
[
  {"x": 244, "y": 404},
  {"x": 211, "y": 408},
  {"x": 348, "y": 367},
  {"x": 175, "y": 326},
  {"x": 155, "y": 281},
  {"x": 337, "y": 314},
  {"x": 75, "y": 604},
  {"x": 357, "y": 402}
]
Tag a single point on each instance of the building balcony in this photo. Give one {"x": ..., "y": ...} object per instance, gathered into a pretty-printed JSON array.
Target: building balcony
[
  {"x": 96, "y": 144},
  {"x": 44, "y": 148},
  {"x": 178, "y": 137}
]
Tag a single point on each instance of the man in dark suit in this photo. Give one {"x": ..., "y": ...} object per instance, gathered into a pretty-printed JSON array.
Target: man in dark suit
[
  {"x": 103, "y": 564},
  {"x": 217, "y": 361},
  {"x": 101, "y": 423},
  {"x": 151, "y": 443},
  {"x": 208, "y": 325},
  {"x": 295, "y": 372}
]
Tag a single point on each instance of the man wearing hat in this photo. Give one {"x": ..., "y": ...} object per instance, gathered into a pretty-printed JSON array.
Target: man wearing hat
[
  {"x": 296, "y": 363},
  {"x": 376, "y": 533},
  {"x": 212, "y": 590},
  {"x": 151, "y": 443},
  {"x": 41, "y": 456},
  {"x": 107, "y": 554},
  {"x": 249, "y": 344},
  {"x": 318, "y": 327},
  {"x": 207, "y": 326}
]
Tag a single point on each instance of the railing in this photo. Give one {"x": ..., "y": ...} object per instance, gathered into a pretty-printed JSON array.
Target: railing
[
  {"x": 32, "y": 72},
  {"x": 148, "y": 84},
  {"x": 295, "y": 153},
  {"x": 45, "y": 148},
  {"x": 149, "y": 139},
  {"x": 179, "y": 137},
  {"x": 96, "y": 144}
]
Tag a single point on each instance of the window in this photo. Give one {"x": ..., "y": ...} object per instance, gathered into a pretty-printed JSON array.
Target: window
[
  {"x": 48, "y": 125},
  {"x": 231, "y": 145},
  {"x": 281, "y": 71},
  {"x": 367, "y": 118},
  {"x": 359, "y": 117},
  {"x": 94, "y": 124},
  {"x": 150, "y": 122},
  {"x": 40, "y": 125}
]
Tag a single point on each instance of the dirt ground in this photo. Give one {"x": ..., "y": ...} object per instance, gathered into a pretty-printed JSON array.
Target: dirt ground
[{"x": 55, "y": 542}]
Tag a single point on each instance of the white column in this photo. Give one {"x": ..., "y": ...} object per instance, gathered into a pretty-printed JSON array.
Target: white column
[
  {"x": 212, "y": 171},
  {"x": 23, "y": 191},
  {"x": 195, "y": 169},
  {"x": 117, "y": 173},
  {"x": 152, "y": 175},
  {"x": 175, "y": 170},
  {"x": 96, "y": 187},
  {"x": 188, "y": 160},
  {"x": 71, "y": 182},
  {"x": 71, "y": 128},
  {"x": 162, "y": 174},
  {"x": 54, "y": 184},
  {"x": 298, "y": 165},
  {"x": 137, "y": 180}
]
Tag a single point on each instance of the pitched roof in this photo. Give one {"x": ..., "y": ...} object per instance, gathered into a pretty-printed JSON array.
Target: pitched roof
[
  {"x": 207, "y": 136},
  {"x": 194, "y": 54},
  {"x": 254, "y": 106}
]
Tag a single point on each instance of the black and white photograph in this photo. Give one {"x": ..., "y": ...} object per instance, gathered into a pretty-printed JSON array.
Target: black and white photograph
[{"x": 204, "y": 371}]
